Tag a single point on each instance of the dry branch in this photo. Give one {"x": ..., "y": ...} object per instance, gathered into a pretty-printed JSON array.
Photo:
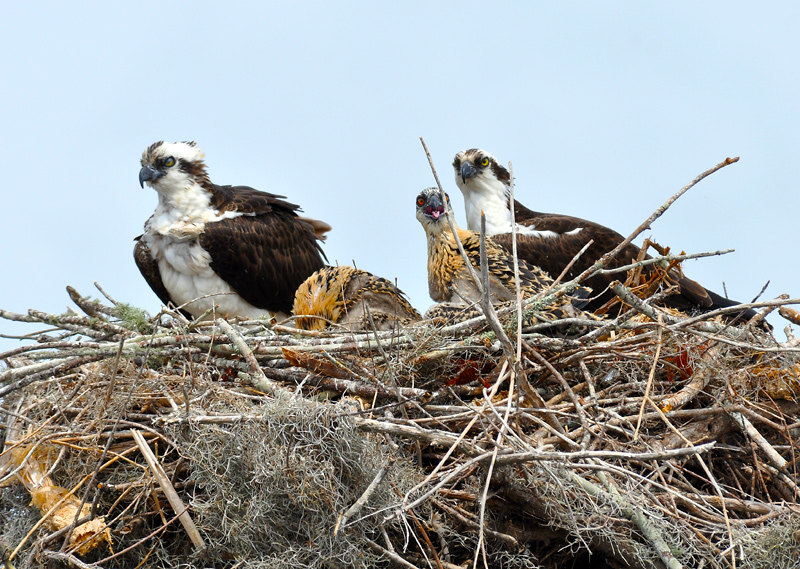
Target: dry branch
[{"x": 163, "y": 481}]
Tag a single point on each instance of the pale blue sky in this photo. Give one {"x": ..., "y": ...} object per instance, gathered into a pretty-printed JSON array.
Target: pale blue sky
[{"x": 604, "y": 110}]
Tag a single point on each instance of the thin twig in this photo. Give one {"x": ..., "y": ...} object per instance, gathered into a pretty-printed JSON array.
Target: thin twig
[
  {"x": 603, "y": 261},
  {"x": 361, "y": 502}
]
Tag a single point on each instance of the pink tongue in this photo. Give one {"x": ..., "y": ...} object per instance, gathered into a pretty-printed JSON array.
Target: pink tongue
[{"x": 435, "y": 214}]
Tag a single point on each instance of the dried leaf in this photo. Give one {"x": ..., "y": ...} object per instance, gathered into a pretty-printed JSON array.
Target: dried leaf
[{"x": 315, "y": 364}]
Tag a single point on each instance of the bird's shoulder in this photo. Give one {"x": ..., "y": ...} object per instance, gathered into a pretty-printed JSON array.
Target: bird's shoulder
[
  {"x": 561, "y": 224},
  {"x": 258, "y": 207},
  {"x": 247, "y": 200}
]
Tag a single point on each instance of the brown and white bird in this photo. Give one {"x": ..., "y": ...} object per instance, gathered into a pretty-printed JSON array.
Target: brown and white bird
[
  {"x": 232, "y": 248},
  {"x": 551, "y": 241},
  {"x": 449, "y": 280},
  {"x": 353, "y": 299}
]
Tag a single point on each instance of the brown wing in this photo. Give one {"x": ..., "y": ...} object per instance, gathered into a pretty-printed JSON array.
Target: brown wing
[
  {"x": 572, "y": 233},
  {"x": 149, "y": 269},
  {"x": 553, "y": 254},
  {"x": 263, "y": 256},
  {"x": 245, "y": 199}
]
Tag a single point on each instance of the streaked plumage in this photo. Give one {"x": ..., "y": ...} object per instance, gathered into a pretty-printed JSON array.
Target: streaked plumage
[
  {"x": 450, "y": 312},
  {"x": 551, "y": 241},
  {"x": 449, "y": 280},
  {"x": 343, "y": 294},
  {"x": 248, "y": 249}
]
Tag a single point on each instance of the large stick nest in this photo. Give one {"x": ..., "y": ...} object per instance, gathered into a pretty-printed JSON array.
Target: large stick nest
[{"x": 651, "y": 441}]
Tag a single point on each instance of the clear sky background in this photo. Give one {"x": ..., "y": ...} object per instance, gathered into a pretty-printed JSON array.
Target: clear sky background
[{"x": 604, "y": 109}]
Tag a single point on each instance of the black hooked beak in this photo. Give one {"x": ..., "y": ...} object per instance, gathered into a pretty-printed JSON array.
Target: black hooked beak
[
  {"x": 468, "y": 171},
  {"x": 148, "y": 174}
]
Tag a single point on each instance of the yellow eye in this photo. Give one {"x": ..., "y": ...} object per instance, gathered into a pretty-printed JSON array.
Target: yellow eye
[
  {"x": 420, "y": 201},
  {"x": 170, "y": 162},
  {"x": 485, "y": 162}
]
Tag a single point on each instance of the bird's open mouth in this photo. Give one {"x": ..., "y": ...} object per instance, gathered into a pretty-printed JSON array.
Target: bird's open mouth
[{"x": 434, "y": 212}]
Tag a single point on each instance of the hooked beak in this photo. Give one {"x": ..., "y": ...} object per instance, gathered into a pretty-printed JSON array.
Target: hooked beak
[
  {"x": 468, "y": 171},
  {"x": 148, "y": 174}
]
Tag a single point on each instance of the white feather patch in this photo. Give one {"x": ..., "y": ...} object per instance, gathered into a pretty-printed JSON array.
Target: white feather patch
[
  {"x": 487, "y": 196},
  {"x": 185, "y": 267},
  {"x": 190, "y": 289},
  {"x": 533, "y": 232},
  {"x": 181, "y": 150}
]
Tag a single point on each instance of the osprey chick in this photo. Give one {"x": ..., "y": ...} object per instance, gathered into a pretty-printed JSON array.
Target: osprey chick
[
  {"x": 232, "y": 248},
  {"x": 551, "y": 241},
  {"x": 349, "y": 297},
  {"x": 448, "y": 276}
]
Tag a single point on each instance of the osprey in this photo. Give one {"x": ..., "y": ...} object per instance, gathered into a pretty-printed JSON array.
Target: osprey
[
  {"x": 551, "y": 241},
  {"x": 350, "y": 297},
  {"x": 233, "y": 249},
  {"x": 449, "y": 280}
]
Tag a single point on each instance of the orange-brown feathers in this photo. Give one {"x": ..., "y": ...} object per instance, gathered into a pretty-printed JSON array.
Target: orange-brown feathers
[{"x": 349, "y": 297}]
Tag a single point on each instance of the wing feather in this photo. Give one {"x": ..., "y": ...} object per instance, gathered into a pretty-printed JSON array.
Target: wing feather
[
  {"x": 149, "y": 269},
  {"x": 500, "y": 264},
  {"x": 263, "y": 256},
  {"x": 553, "y": 254}
]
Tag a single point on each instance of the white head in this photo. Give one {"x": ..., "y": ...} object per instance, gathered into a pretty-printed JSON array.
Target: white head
[
  {"x": 484, "y": 182},
  {"x": 477, "y": 170},
  {"x": 169, "y": 168}
]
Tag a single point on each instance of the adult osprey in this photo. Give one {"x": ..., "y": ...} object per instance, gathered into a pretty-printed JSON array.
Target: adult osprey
[
  {"x": 551, "y": 241},
  {"x": 237, "y": 250},
  {"x": 353, "y": 299},
  {"x": 449, "y": 280}
]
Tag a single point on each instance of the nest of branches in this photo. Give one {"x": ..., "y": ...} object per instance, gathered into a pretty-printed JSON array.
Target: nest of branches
[{"x": 649, "y": 440}]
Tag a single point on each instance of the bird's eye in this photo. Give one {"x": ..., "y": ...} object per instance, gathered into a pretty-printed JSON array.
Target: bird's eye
[
  {"x": 485, "y": 162},
  {"x": 420, "y": 201},
  {"x": 169, "y": 162}
]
